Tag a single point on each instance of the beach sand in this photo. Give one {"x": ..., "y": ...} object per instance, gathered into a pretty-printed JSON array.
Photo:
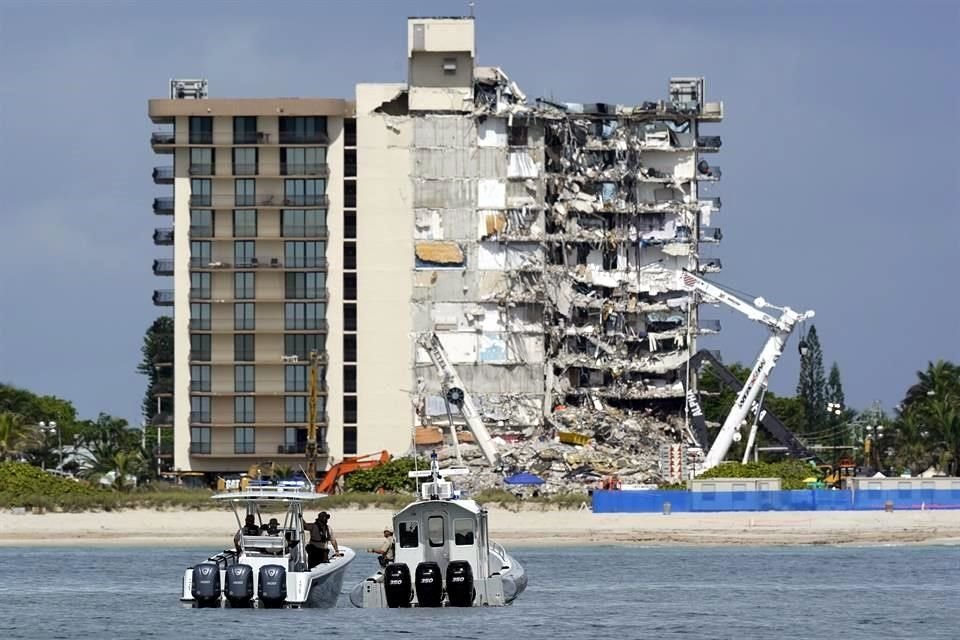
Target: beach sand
[{"x": 360, "y": 528}]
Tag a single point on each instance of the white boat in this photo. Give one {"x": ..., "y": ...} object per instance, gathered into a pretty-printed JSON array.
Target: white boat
[
  {"x": 267, "y": 570},
  {"x": 443, "y": 555}
]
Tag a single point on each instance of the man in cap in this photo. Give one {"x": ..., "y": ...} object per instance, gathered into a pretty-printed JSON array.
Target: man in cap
[
  {"x": 320, "y": 536},
  {"x": 249, "y": 528},
  {"x": 385, "y": 551}
]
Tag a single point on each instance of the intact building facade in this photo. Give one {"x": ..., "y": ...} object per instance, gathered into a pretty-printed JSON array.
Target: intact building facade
[{"x": 541, "y": 242}]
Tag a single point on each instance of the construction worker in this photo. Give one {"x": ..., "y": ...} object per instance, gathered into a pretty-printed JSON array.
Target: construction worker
[
  {"x": 385, "y": 552},
  {"x": 320, "y": 536}
]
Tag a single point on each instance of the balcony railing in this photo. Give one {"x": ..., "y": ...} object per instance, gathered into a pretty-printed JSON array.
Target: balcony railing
[
  {"x": 244, "y": 169},
  {"x": 163, "y": 205},
  {"x": 306, "y": 293},
  {"x": 201, "y": 417},
  {"x": 302, "y": 324},
  {"x": 300, "y": 262},
  {"x": 304, "y": 169},
  {"x": 162, "y": 137},
  {"x": 200, "y": 293},
  {"x": 294, "y": 137},
  {"x": 202, "y": 386},
  {"x": 163, "y": 297},
  {"x": 292, "y": 449},
  {"x": 713, "y": 203},
  {"x": 163, "y": 267},
  {"x": 201, "y": 231},
  {"x": 245, "y": 200},
  {"x": 163, "y": 236},
  {"x": 709, "y": 142},
  {"x": 163, "y": 175},
  {"x": 305, "y": 231},
  {"x": 199, "y": 325},
  {"x": 251, "y": 137},
  {"x": 200, "y": 200},
  {"x": 162, "y": 419},
  {"x": 199, "y": 356},
  {"x": 317, "y": 200},
  {"x": 201, "y": 169},
  {"x": 201, "y": 137},
  {"x": 202, "y": 448}
]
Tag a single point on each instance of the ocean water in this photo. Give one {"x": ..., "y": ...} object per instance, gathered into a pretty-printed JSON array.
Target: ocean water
[{"x": 594, "y": 592}]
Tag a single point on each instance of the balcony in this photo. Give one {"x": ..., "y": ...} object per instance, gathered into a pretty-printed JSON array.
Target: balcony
[
  {"x": 163, "y": 175},
  {"x": 163, "y": 297},
  {"x": 245, "y": 200},
  {"x": 162, "y": 420},
  {"x": 243, "y": 169},
  {"x": 317, "y": 200},
  {"x": 706, "y": 171},
  {"x": 201, "y": 169},
  {"x": 251, "y": 137},
  {"x": 299, "y": 262},
  {"x": 163, "y": 267},
  {"x": 303, "y": 169},
  {"x": 199, "y": 356},
  {"x": 709, "y": 143},
  {"x": 200, "y": 448},
  {"x": 292, "y": 449},
  {"x": 163, "y": 237},
  {"x": 305, "y": 231},
  {"x": 163, "y": 206},
  {"x": 199, "y": 417},
  {"x": 201, "y": 231},
  {"x": 199, "y": 324},
  {"x": 200, "y": 200},
  {"x": 163, "y": 141},
  {"x": 306, "y": 294},
  {"x": 297, "y": 137},
  {"x": 199, "y": 293}
]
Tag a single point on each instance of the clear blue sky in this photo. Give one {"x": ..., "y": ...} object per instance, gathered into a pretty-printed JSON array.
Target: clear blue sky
[{"x": 840, "y": 157}]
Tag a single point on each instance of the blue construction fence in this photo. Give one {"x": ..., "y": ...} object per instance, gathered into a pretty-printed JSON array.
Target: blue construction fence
[{"x": 797, "y": 500}]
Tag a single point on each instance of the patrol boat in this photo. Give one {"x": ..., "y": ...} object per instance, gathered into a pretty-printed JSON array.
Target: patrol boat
[
  {"x": 268, "y": 570},
  {"x": 443, "y": 554}
]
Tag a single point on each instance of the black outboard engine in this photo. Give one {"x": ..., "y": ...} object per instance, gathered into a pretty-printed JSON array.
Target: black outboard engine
[
  {"x": 460, "y": 591},
  {"x": 429, "y": 584},
  {"x": 272, "y": 587},
  {"x": 239, "y": 587},
  {"x": 206, "y": 585},
  {"x": 396, "y": 584}
]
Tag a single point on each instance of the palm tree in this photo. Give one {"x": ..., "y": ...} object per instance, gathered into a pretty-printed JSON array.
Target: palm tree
[
  {"x": 933, "y": 405},
  {"x": 14, "y": 433}
]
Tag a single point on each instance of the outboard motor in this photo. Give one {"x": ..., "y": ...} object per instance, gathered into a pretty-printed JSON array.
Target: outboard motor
[
  {"x": 429, "y": 584},
  {"x": 396, "y": 584},
  {"x": 239, "y": 587},
  {"x": 206, "y": 585},
  {"x": 272, "y": 587},
  {"x": 460, "y": 591}
]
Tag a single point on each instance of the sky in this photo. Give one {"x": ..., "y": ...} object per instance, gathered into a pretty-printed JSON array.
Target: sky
[{"x": 840, "y": 189}]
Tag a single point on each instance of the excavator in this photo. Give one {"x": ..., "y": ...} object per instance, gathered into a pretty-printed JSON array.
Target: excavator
[
  {"x": 780, "y": 329},
  {"x": 347, "y": 466}
]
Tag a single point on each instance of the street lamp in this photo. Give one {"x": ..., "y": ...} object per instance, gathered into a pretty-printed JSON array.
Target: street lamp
[
  {"x": 835, "y": 409},
  {"x": 51, "y": 427}
]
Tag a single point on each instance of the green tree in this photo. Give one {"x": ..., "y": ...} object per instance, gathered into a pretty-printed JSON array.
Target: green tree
[
  {"x": 14, "y": 435},
  {"x": 929, "y": 418},
  {"x": 833, "y": 392},
  {"x": 811, "y": 388},
  {"x": 157, "y": 352}
]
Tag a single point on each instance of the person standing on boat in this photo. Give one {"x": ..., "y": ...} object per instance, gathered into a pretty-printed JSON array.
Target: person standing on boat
[
  {"x": 250, "y": 528},
  {"x": 384, "y": 551},
  {"x": 320, "y": 536}
]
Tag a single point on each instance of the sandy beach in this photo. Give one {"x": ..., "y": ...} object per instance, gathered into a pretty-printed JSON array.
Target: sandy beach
[{"x": 360, "y": 528}]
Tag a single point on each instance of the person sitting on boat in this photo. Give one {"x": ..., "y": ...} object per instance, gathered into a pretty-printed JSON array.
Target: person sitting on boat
[
  {"x": 250, "y": 528},
  {"x": 385, "y": 551},
  {"x": 320, "y": 536},
  {"x": 272, "y": 528}
]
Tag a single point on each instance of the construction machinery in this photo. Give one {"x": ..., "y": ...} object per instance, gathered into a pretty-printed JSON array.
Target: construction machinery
[
  {"x": 349, "y": 465},
  {"x": 780, "y": 330},
  {"x": 455, "y": 394}
]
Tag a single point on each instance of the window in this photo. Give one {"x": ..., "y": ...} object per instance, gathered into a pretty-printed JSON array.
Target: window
[
  {"x": 350, "y": 163},
  {"x": 350, "y": 194},
  {"x": 201, "y": 223},
  {"x": 199, "y": 286},
  {"x": 245, "y": 130},
  {"x": 200, "y": 251},
  {"x": 349, "y": 286},
  {"x": 201, "y": 130},
  {"x": 244, "y": 192},
  {"x": 294, "y": 440},
  {"x": 200, "y": 316},
  {"x": 199, "y": 439},
  {"x": 306, "y": 129},
  {"x": 350, "y": 347},
  {"x": 304, "y": 315},
  {"x": 449, "y": 66},
  {"x": 435, "y": 531},
  {"x": 350, "y": 441},
  {"x": 349, "y": 255},
  {"x": 243, "y": 440},
  {"x": 349, "y": 316},
  {"x": 350, "y": 378},
  {"x": 301, "y": 345},
  {"x": 517, "y": 136},
  {"x": 244, "y": 285},
  {"x": 244, "y": 378},
  {"x": 243, "y": 316},
  {"x": 408, "y": 535},
  {"x": 463, "y": 532},
  {"x": 201, "y": 162},
  {"x": 244, "y": 223},
  {"x": 305, "y": 193},
  {"x": 244, "y": 253},
  {"x": 245, "y": 161},
  {"x": 303, "y": 223},
  {"x": 200, "y": 346},
  {"x": 350, "y": 409},
  {"x": 200, "y": 192},
  {"x": 243, "y": 409},
  {"x": 307, "y": 161},
  {"x": 200, "y": 377},
  {"x": 294, "y": 377},
  {"x": 308, "y": 285},
  {"x": 294, "y": 409},
  {"x": 305, "y": 255},
  {"x": 349, "y": 132},
  {"x": 199, "y": 408},
  {"x": 243, "y": 347},
  {"x": 350, "y": 224}
]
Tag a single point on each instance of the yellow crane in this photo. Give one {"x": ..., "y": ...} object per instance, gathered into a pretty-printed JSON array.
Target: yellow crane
[{"x": 311, "y": 449}]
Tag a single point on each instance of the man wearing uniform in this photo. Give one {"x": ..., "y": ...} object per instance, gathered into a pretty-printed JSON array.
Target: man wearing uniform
[
  {"x": 250, "y": 528},
  {"x": 385, "y": 551},
  {"x": 320, "y": 535}
]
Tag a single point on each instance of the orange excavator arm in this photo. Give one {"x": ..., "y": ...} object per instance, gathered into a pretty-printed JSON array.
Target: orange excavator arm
[{"x": 349, "y": 465}]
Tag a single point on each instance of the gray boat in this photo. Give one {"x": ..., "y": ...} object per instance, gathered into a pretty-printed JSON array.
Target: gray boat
[{"x": 443, "y": 554}]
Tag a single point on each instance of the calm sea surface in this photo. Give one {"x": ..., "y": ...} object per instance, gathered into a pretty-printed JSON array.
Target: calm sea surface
[{"x": 594, "y": 592}]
